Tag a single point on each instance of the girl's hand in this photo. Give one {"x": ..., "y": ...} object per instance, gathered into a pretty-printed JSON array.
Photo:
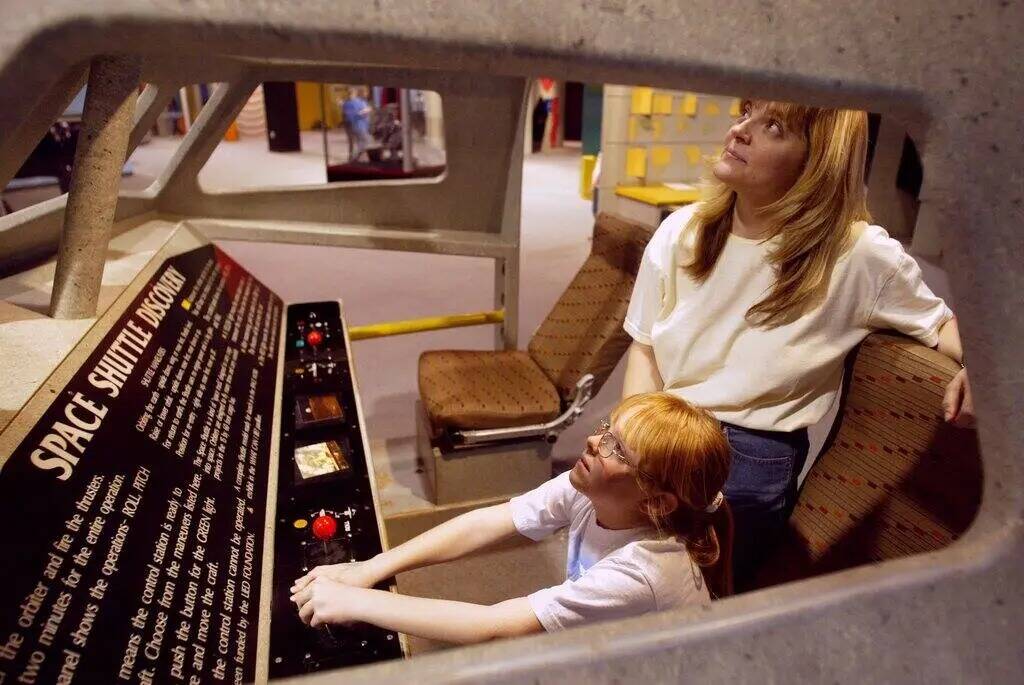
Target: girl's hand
[
  {"x": 327, "y": 601},
  {"x": 958, "y": 404},
  {"x": 355, "y": 574}
]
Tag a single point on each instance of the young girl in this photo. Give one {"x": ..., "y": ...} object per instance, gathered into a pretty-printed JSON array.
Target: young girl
[{"x": 638, "y": 504}]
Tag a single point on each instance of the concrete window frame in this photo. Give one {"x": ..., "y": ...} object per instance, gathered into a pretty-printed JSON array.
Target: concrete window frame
[{"x": 952, "y": 615}]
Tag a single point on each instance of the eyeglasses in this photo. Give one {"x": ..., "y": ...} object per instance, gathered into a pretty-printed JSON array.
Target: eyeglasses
[{"x": 609, "y": 447}]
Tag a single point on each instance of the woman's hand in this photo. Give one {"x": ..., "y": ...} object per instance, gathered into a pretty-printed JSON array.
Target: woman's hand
[
  {"x": 327, "y": 601},
  {"x": 958, "y": 404},
  {"x": 354, "y": 574}
]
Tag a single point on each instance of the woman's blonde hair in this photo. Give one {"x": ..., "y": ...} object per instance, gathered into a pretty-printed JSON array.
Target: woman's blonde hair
[
  {"x": 683, "y": 450},
  {"x": 813, "y": 218}
]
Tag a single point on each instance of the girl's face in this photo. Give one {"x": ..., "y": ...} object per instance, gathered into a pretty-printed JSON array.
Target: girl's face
[
  {"x": 763, "y": 157},
  {"x": 608, "y": 481}
]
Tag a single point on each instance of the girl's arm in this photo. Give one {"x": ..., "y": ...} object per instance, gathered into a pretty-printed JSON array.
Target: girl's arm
[
  {"x": 642, "y": 373},
  {"x": 450, "y": 540},
  {"x": 325, "y": 601},
  {"x": 958, "y": 403}
]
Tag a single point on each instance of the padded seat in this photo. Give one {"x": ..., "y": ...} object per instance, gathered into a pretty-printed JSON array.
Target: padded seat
[
  {"x": 581, "y": 335},
  {"x": 894, "y": 478},
  {"x": 466, "y": 389}
]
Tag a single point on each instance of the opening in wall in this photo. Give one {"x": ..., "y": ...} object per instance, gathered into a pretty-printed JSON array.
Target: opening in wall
[
  {"x": 46, "y": 172},
  {"x": 307, "y": 133}
]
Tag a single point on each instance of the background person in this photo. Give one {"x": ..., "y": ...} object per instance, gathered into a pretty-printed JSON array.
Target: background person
[{"x": 356, "y": 113}]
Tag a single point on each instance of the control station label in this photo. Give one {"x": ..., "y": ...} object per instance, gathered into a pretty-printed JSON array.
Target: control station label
[{"x": 133, "y": 511}]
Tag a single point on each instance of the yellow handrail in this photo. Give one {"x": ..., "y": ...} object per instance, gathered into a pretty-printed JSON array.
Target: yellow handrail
[{"x": 430, "y": 323}]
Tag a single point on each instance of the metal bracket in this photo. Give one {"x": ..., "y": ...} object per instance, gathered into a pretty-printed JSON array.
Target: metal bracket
[{"x": 549, "y": 431}]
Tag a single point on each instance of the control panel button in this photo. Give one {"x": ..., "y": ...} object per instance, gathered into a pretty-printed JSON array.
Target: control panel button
[
  {"x": 324, "y": 526},
  {"x": 314, "y": 338}
]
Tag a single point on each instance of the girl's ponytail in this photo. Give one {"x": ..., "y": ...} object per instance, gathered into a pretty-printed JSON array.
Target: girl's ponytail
[{"x": 697, "y": 530}]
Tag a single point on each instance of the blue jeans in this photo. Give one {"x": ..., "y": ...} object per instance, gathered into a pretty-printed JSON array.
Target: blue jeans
[{"x": 761, "y": 491}]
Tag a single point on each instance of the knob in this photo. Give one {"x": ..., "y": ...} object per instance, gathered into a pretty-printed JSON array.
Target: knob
[
  {"x": 324, "y": 526},
  {"x": 314, "y": 338}
]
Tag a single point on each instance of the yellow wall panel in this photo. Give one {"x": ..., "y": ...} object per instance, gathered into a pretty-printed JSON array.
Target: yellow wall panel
[
  {"x": 636, "y": 162},
  {"x": 642, "y": 100},
  {"x": 689, "y": 106},
  {"x": 307, "y": 95},
  {"x": 662, "y": 104},
  {"x": 587, "y": 163}
]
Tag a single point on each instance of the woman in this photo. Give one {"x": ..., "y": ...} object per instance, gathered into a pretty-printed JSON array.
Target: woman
[{"x": 747, "y": 303}]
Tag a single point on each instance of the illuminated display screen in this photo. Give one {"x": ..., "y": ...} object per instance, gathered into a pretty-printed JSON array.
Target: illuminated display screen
[
  {"x": 315, "y": 410},
  {"x": 320, "y": 458}
]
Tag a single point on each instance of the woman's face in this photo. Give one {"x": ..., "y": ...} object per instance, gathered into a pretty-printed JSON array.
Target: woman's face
[{"x": 763, "y": 157}]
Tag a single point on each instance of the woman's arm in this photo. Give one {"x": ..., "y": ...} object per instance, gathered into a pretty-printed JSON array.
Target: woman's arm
[
  {"x": 949, "y": 341},
  {"x": 450, "y": 540},
  {"x": 325, "y": 601},
  {"x": 642, "y": 373},
  {"x": 957, "y": 404}
]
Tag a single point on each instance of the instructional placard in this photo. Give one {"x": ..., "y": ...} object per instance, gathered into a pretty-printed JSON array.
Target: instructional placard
[{"x": 133, "y": 511}]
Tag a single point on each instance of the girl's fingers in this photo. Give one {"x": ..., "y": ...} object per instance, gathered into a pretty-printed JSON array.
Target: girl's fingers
[
  {"x": 305, "y": 580},
  {"x": 300, "y": 583},
  {"x": 302, "y": 596},
  {"x": 306, "y": 613}
]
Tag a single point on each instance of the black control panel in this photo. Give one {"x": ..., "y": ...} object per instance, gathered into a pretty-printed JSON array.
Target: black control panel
[{"x": 325, "y": 511}]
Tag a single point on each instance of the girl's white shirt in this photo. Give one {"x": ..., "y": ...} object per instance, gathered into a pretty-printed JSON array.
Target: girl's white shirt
[{"x": 609, "y": 573}]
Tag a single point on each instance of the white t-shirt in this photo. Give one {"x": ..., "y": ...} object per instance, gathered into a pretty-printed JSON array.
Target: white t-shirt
[
  {"x": 609, "y": 573},
  {"x": 783, "y": 378}
]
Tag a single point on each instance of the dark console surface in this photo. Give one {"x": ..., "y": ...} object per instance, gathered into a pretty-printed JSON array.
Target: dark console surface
[{"x": 325, "y": 508}]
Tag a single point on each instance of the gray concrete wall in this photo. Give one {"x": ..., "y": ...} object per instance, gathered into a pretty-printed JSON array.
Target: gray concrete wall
[{"x": 949, "y": 71}]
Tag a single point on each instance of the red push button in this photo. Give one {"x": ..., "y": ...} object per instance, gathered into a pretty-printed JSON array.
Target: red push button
[
  {"x": 324, "y": 527},
  {"x": 314, "y": 338}
]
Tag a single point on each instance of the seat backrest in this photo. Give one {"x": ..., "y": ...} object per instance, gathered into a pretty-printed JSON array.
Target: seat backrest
[
  {"x": 894, "y": 478},
  {"x": 583, "y": 332}
]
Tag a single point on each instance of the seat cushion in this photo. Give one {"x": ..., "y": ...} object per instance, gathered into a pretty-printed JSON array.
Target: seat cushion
[{"x": 470, "y": 389}]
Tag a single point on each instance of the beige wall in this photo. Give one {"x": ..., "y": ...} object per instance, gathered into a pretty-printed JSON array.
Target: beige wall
[{"x": 669, "y": 136}]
